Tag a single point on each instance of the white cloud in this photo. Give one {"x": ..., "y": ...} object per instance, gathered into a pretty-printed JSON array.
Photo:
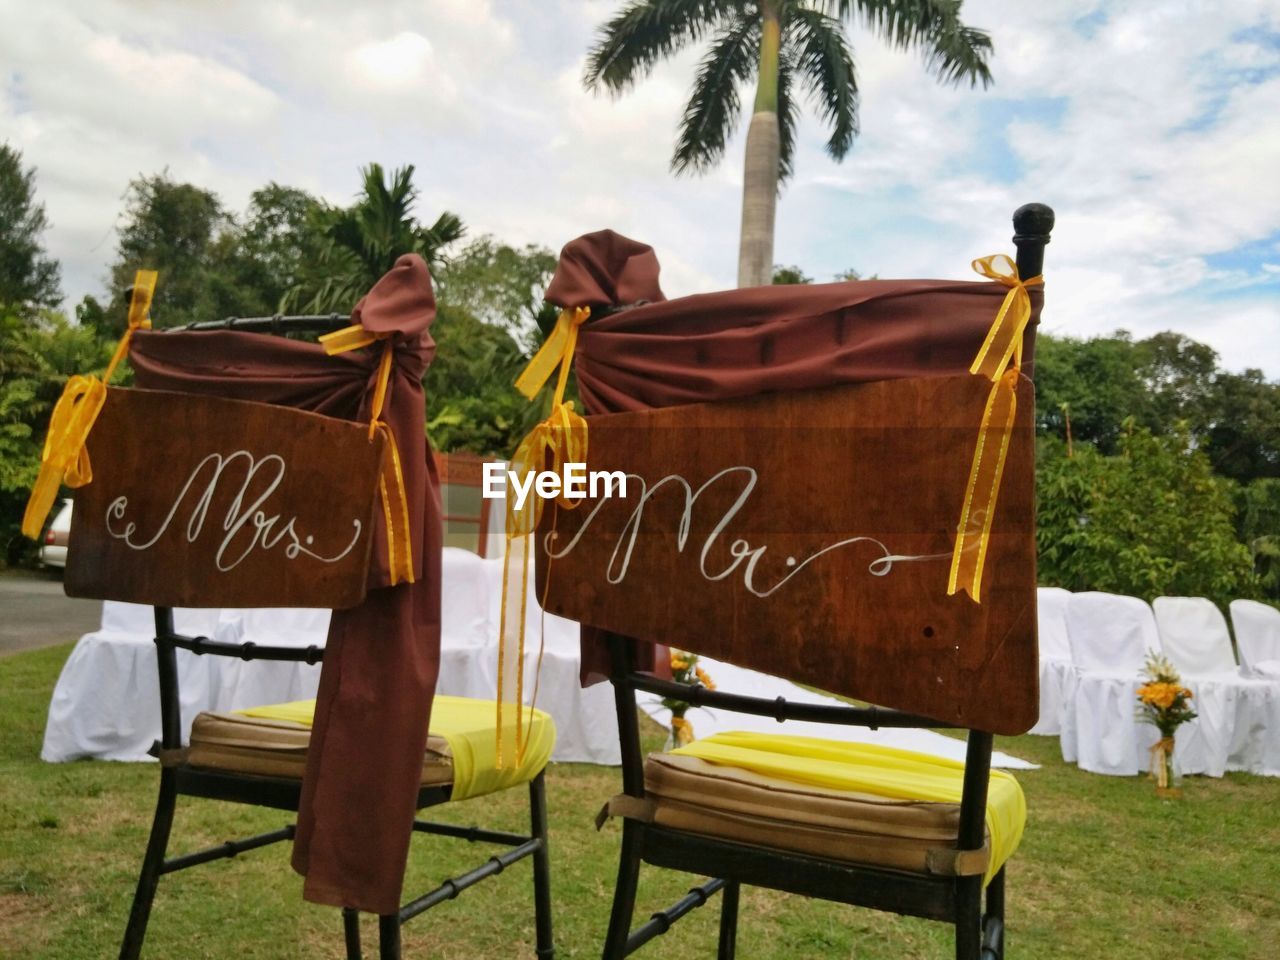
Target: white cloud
[{"x": 1149, "y": 126}]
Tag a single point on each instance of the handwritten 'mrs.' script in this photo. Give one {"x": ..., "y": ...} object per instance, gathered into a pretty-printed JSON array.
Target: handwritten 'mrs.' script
[
  {"x": 248, "y": 523},
  {"x": 740, "y": 550}
]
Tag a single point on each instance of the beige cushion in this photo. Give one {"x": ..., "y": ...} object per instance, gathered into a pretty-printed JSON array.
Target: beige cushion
[
  {"x": 278, "y": 748},
  {"x": 741, "y": 805}
]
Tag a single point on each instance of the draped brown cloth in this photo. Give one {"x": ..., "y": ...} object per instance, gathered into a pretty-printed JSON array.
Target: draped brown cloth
[
  {"x": 380, "y": 664},
  {"x": 652, "y": 352}
]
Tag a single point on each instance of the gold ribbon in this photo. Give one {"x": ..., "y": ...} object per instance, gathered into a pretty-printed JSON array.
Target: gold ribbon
[
  {"x": 1161, "y": 752},
  {"x": 391, "y": 492},
  {"x": 64, "y": 459},
  {"x": 561, "y": 438},
  {"x": 1000, "y": 361}
]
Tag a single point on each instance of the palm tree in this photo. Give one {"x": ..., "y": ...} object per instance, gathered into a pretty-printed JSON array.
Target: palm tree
[
  {"x": 363, "y": 241},
  {"x": 788, "y": 47}
]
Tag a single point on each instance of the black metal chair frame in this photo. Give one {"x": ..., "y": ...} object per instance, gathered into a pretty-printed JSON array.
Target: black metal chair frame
[
  {"x": 177, "y": 777},
  {"x": 959, "y": 900}
]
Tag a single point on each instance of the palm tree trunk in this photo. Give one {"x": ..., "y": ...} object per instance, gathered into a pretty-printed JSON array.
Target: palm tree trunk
[{"x": 760, "y": 169}]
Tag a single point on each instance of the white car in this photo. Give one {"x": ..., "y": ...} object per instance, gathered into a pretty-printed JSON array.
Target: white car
[{"x": 53, "y": 551}]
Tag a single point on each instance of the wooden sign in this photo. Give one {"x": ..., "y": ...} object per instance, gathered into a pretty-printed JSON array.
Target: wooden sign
[
  {"x": 809, "y": 535},
  {"x": 205, "y": 502}
]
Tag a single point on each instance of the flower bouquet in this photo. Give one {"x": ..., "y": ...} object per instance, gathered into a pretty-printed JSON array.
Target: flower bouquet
[
  {"x": 1166, "y": 704},
  {"x": 684, "y": 669}
]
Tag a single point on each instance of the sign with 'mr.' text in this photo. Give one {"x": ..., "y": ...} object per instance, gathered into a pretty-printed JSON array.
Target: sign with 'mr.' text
[
  {"x": 206, "y": 502},
  {"x": 810, "y": 535}
]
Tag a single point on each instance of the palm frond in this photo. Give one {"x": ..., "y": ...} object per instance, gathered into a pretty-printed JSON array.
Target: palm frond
[
  {"x": 645, "y": 32},
  {"x": 953, "y": 52},
  {"x": 788, "y": 115},
  {"x": 825, "y": 66},
  {"x": 959, "y": 53},
  {"x": 714, "y": 105}
]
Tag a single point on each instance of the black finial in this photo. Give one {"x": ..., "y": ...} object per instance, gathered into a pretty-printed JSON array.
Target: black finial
[{"x": 1032, "y": 224}]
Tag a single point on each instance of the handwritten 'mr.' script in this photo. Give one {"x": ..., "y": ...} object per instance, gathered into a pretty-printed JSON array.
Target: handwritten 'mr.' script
[
  {"x": 248, "y": 523},
  {"x": 741, "y": 552}
]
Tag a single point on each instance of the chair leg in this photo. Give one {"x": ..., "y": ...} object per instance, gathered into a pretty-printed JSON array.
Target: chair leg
[
  {"x": 624, "y": 893},
  {"x": 152, "y": 861},
  {"x": 993, "y": 921},
  {"x": 968, "y": 918},
  {"x": 728, "y": 921},
  {"x": 389, "y": 937},
  {"x": 545, "y": 948},
  {"x": 351, "y": 932}
]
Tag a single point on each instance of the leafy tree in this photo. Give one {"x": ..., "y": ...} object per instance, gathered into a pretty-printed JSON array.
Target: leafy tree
[
  {"x": 1243, "y": 436},
  {"x": 471, "y": 403},
  {"x": 790, "y": 48},
  {"x": 363, "y": 241},
  {"x": 1151, "y": 520},
  {"x": 1259, "y": 529},
  {"x": 1095, "y": 382},
  {"x": 28, "y": 277},
  {"x": 500, "y": 284},
  {"x": 177, "y": 229},
  {"x": 789, "y": 275},
  {"x": 271, "y": 250},
  {"x": 1177, "y": 375}
]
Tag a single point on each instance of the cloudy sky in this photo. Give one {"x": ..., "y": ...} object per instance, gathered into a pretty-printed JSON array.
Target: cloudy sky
[{"x": 1151, "y": 126}]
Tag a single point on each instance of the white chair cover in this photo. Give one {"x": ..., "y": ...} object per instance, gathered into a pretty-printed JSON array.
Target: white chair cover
[
  {"x": 1257, "y": 627},
  {"x": 1239, "y": 717},
  {"x": 235, "y": 684},
  {"x": 1109, "y": 637},
  {"x": 106, "y": 703},
  {"x": 1055, "y": 658},
  {"x": 1194, "y": 635}
]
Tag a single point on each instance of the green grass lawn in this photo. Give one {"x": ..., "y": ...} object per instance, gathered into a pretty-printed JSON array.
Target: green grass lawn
[{"x": 1105, "y": 870}]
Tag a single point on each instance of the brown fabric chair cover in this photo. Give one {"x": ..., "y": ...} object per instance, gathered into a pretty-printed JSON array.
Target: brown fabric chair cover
[
  {"x": 738, "y": 343},
  {"x": 382, "y": 658}
]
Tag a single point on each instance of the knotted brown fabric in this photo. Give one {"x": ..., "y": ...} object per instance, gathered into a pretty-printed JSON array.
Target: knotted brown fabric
[
  {"x": 378, "y": 678},
  {"x": 720, "y": 346}
]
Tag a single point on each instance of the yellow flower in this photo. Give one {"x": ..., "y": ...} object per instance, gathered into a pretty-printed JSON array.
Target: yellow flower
[{"x": 704, "y": 679}]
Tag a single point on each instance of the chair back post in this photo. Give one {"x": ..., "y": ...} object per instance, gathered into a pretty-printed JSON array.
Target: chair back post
[
  {"x": 167, "y": 668},
  {"x": 1032, "y": 224},
  {"x": 622, "y": 661},
  {"x": 973, "y": 794}
]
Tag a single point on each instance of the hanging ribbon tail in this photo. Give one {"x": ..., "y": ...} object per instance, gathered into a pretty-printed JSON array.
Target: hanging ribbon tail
[
  {"x": 395, "y": 510},
  {"x": 555, "y": 352},
  {"x": 64, "y": 459},
  {"x": 391, "y": 492},
  {"x": 998, "y": 359},
  {"x": 511, "y": 732},
  {"x": 560, "y": 438},
  {"x": 970, "y": 553}
]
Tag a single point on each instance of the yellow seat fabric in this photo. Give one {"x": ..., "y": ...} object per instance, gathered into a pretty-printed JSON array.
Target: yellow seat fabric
[
  {"x": 858, "y": 802},
  {"x": 272, "y": 741}
]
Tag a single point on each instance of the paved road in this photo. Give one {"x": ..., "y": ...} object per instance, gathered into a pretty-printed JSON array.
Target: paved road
[{"x": 34, "y": 612}]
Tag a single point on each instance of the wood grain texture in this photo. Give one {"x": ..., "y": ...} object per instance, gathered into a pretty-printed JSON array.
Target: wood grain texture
[
  {"x": 225, "y": 503},
  {"x": 773, "y": 585}
]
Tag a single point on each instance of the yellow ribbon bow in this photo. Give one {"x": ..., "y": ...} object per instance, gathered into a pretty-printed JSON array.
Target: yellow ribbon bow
[
  {"x": 561, "y": 438},
  {"x": 391, "y": 492},
  {"x": 1000, "y": 361},
  {"x": 64, "y": 459}
]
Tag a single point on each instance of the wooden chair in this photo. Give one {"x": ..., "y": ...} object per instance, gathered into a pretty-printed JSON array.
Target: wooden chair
[
  {"x": 180, "y": 776},
  {"x": 738, "y": 827},
  {"x": 250, "y": 772}
]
